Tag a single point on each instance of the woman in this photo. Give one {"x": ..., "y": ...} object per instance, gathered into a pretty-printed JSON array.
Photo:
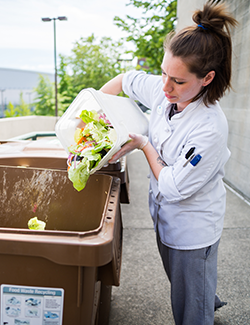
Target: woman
[{"x": 186, "y": 151}]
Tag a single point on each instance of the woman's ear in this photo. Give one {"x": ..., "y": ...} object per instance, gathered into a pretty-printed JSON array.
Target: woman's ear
[{"x": 209, "y": 78}]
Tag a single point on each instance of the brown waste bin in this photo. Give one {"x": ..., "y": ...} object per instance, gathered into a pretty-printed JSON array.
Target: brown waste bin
[
  {"x": 47, "y": 153},
  {"x": 119, "y": 169},
  {"x": 80, "y": 249}
]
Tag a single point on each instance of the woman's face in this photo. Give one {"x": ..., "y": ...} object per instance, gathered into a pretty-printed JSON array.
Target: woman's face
[{"x": 179, "y": 85}]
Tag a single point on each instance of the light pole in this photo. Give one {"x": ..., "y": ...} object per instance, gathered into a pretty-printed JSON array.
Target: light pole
[{"x": 54, "y": 19}]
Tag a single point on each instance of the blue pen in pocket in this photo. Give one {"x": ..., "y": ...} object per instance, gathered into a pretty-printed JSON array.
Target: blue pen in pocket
[{"x": 195, "y": 160}]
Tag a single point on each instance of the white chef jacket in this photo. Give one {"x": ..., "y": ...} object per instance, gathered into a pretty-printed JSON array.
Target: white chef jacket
[{"x": 187, "y": 203}]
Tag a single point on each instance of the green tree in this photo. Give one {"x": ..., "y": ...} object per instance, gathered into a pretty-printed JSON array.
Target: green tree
[
  {"x": 23, "y": 108},
  {"x": 148, "y": 32},
  {"x": 19, "y": 110},
  {"x": 10, "y": 111},
  {"x": 91, "y": 64},
  {"x": 65, "y": 87},
  {"x": 45, "y": 100}
]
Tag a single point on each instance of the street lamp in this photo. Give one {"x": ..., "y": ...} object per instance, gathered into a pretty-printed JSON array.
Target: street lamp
[{"x": 49, "y": 19}]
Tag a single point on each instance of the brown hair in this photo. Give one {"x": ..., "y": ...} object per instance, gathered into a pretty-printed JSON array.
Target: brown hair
[{"x": 207, "y": 47}]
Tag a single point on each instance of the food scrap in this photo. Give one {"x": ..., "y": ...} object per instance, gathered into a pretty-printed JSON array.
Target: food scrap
[
  {"x": 92, "y": 142},
  {"x": 35, "y": 207},
  {"x": 36, "y": 224}
]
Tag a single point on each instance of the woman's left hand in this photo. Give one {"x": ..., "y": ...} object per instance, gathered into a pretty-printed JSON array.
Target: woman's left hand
[{"x": 137, "y": 141}]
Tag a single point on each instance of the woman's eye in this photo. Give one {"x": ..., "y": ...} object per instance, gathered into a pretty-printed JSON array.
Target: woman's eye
[
  {"x": 179, "y": 82},
  {"x": 164, "y": 73}
]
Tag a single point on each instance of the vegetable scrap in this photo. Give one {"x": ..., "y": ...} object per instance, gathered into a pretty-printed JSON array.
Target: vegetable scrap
[
  {"x": 35, "y": 207},
  {"x": 35, "y": 224},
  {"x": 92, "y": 143}
]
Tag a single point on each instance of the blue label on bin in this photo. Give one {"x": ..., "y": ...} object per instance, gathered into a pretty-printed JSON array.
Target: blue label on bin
[{"x": 31, "y": 305}]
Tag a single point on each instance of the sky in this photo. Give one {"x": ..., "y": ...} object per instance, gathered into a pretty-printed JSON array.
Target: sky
[{"x": 26, "y": 42}]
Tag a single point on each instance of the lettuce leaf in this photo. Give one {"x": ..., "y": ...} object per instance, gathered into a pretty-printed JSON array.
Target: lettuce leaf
[
  {"x": 98, "y": 137},
  {"x": 92, "y": 156},
  {"x": 89, "y": 116},
  {"x": 79, "y": 175},
  {"x": 97, "y": 131},
  {"x": 112, "y": 136},
  {"x": 102, "y": 145},
  {"x": 36, "y": 224}
]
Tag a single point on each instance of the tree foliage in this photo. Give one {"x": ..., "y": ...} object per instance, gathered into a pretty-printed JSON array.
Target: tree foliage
[
  {"x": 149, "y": 31},
  {"x": 10, "y": 111},
  {"x": 65, "y": 87},
  {"x": 91, "y": 64},
  {"x": 22, "y": 109},
  {"x": 45, "y": 101}
]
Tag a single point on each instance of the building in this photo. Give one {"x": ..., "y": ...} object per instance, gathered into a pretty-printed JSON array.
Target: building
[{"x": 13, "y": 82}]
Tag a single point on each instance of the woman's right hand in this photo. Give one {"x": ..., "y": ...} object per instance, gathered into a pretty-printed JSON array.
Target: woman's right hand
[{"x": 137, "y": 141}]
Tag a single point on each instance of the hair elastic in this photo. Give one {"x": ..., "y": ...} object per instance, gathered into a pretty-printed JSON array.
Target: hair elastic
[{"x": 202, "y": 27}]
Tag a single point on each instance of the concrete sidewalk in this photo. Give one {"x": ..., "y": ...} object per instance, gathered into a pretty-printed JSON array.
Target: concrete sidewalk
[{"x": 143, "y": 297}]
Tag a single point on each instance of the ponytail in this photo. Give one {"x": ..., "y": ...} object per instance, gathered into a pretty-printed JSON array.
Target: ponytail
[{"x": 206, "y": 47}]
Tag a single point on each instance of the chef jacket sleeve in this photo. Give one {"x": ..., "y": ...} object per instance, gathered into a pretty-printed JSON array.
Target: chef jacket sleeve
[{"x": 141, "y": 86}]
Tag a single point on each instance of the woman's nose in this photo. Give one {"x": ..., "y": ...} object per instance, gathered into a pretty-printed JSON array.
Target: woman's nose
[{"x": 167, "y": 85}]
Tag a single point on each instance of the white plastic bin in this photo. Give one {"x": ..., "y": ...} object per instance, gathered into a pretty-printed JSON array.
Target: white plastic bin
[{"x": 123, "y": 113}]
